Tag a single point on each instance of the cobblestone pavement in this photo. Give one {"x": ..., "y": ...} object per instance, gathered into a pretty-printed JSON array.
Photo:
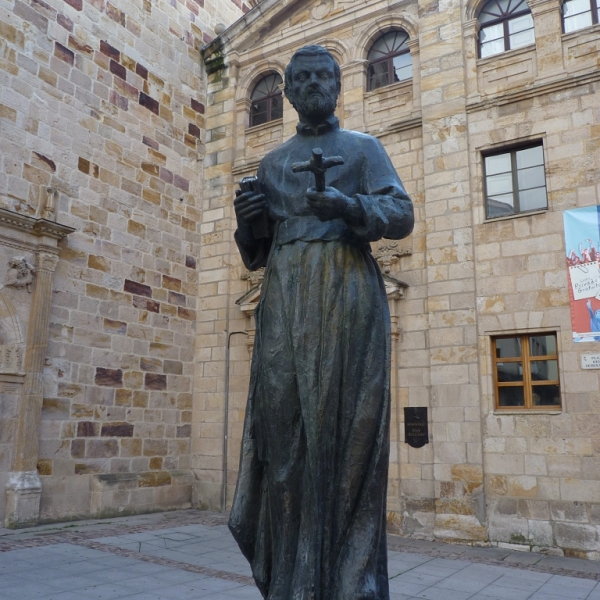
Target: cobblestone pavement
[{"x": 190, "y": 555}]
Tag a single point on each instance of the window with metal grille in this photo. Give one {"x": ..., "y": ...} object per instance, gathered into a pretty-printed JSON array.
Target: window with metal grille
[
  {"x": 389, "y": 60},
  {"x": 267, "y": 100},
  {"x": 578, "y": 14},
  {"x": 505, "y": 25},
  {"x": 526, "y": 371},
  {"x": 515, "y": 181}
]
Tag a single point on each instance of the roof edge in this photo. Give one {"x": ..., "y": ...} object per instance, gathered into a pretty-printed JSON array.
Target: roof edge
[{"x": 237, "y": 27}]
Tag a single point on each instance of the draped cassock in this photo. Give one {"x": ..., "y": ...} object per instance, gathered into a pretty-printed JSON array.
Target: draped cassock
[{"x": 309, "y": 511}]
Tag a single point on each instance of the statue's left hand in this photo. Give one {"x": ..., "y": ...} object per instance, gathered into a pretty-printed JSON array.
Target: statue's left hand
[{"x": 332, "y": 204}]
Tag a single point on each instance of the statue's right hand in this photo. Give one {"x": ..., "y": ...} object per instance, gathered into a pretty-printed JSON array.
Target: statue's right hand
[{"x": 249, "y": 205}]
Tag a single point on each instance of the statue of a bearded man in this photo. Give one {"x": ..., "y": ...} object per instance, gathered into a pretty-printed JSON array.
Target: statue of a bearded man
[{"x": 309, "y": 511}]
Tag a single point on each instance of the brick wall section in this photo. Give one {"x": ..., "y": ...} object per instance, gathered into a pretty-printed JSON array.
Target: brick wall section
[{"x": 105, "y": 102}]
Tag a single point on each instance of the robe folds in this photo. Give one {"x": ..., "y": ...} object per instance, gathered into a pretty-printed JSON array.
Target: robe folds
[{"x": 309, "y": 512}]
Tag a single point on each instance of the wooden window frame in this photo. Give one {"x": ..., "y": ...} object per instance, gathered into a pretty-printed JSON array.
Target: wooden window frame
[
  {"x": 526, "y": 359},
  {"x": 514, "y": 171},
  {"x": 594, "y": 5},
  {"x": 269, "y": 99},
  {"x": 389, "y": 59}
]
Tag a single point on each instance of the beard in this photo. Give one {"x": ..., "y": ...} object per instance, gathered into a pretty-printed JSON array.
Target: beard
[{"x": 316, "y": 104}]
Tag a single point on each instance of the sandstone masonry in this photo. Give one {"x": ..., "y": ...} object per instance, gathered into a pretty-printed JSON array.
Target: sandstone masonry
[
  {"x": 126, "y": 316},
  {"x": 102, "y": 112},
  {"x": 503, "y": 477}
]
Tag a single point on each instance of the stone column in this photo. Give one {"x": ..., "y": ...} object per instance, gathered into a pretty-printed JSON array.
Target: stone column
[{"x": 24, "y": 488}]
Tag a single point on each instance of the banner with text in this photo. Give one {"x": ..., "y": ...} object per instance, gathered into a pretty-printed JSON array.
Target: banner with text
[{"x": 582, "y": 237}]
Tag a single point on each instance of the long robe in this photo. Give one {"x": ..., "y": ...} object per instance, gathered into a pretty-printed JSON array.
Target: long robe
[{"x": 309, "y": 512}]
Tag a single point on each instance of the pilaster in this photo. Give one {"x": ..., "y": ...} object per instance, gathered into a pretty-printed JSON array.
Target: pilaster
[
  {"x": 353, "y": 90},
  {"x": 29, "y": 301},
  {"x": 470, "y": 42},
  {"x": 547, "y": 17},
  {"x": 456, "y": 448},
  {"x": 413, "y": 46}
]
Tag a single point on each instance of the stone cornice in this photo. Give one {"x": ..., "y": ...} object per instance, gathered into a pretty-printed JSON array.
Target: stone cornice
[
  {"x": 534, "y": 91},
  {"x": 398, "y": 127},
  {"x": 353, "y": 67},
  {"x": 251, "y": 166},
  {"x": 37, "y": 227},
  {"x": 413, "y": 45},
  {"x": 243, "y": 104},
  {"x": 471, "y": 28},
  {"x": 247, "y": 27},
  {"x": 539, "y": 7}
]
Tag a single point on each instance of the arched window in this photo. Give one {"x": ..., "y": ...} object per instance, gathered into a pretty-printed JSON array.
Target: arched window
[
  {"x": 505, "y": 25},
  {"x": 389, "y": 60},
  {"x": 267, "y": 100},
  {"x": 578, "y": 14}
]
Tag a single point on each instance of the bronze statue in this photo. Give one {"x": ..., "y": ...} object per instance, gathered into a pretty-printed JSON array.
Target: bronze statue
[{"x": 309, "y": 511}]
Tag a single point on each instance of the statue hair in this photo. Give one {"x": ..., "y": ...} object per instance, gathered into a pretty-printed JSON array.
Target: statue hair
[{"x": 312, "y": 50}]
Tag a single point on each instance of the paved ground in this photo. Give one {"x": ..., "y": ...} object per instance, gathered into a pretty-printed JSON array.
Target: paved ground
[{"x": 191, "y": 555}]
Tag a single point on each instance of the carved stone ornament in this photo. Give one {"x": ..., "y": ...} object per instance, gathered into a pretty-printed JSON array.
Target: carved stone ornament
[
  {"x": 11, "y": 358},
  {"x": 47, "y": 207},
  {"x": 254, "y": 277},
  {"x": 47, "y": 261},
  {"x": 322, "y": 10},
  {"x": 388, "y": 253},
  {"x": 20, "y": 274},
  {"x": 326, "y": 7}
]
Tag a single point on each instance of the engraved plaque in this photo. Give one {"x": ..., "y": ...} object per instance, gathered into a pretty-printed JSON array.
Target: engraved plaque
[
  {"x": 416, "y": 432},
  {"x": 590, "y": 361}
]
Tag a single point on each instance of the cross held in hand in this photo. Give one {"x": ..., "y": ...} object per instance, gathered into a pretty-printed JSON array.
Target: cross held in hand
[{"x": 318, "y": 166}]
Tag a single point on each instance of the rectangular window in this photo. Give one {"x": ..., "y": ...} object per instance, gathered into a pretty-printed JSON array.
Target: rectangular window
[
  {"x": 515, "y": 181},
  {"x": 526, "y": 371},
  {"x": 578, "y": 14}
]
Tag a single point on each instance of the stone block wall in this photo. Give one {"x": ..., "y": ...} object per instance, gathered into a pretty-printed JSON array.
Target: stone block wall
[
  {"x": 104, "y": 102},
  {"x": 233, "y": 150},
  {"x": 542, "y": 476},
  {"x": 106, "y": 111},
  {"x": 487, "y": 476}
]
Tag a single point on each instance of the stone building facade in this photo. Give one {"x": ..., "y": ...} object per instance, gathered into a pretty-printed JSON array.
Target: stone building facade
[
  {"x": 465, "y": 282},
  {"x": 102, "y": 108},
  {"x": 126, "y": 316}
]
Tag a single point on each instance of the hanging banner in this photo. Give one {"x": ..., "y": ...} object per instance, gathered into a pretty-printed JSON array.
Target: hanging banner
[{"x": 582, "y": 241}]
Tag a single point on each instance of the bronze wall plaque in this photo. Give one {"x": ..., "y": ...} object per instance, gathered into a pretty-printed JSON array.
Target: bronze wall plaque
[{"x": 416, "y": 431}]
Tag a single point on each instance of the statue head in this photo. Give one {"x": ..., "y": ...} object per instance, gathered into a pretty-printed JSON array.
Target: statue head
[{"x": 313, "y": 83}]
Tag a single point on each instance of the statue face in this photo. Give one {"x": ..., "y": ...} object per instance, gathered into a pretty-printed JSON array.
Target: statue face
[{"x": 314, "y": 89}]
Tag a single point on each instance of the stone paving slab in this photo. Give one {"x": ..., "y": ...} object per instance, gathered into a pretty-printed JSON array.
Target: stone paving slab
[{"x": 190, "y": 554}]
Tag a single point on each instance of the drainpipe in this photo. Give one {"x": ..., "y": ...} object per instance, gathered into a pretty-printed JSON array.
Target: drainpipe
[{"x": 226, "y": 418}]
